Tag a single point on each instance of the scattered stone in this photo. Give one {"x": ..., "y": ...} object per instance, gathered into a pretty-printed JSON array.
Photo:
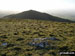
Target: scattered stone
[
  {"x": 53, "y": 38},
  {"x": 42, "y": 42},
  {"x": 4, "y": 44},
  {"x": 47, "y": 38}
]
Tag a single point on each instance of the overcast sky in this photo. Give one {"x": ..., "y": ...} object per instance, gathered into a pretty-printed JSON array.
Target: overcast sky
[{"x": 40, "y": 5}]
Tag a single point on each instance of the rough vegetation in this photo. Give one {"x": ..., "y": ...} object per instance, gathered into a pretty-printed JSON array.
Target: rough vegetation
[{"x": 16, "y": 34}]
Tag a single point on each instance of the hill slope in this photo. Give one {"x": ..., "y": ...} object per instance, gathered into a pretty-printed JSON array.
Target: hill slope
[
  {"x": 16, "y": 34},
  {"x": 4, "y": 13},
  {"x": 31, "y": 14}
]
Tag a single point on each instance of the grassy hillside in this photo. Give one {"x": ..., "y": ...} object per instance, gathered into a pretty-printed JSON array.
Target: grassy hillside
[
  {"x": 15, "y": 34},
  {"x": 32, "y": 14}
]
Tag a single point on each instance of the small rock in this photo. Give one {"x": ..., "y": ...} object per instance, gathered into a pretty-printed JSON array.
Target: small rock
[{"x": 4, "y": 44}]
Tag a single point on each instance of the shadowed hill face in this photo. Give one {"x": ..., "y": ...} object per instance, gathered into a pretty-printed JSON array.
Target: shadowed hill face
[{"x": 31, "y": 14}]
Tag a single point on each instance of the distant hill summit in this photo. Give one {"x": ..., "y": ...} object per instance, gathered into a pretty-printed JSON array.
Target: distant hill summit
[{"x": 32, "y": 14}]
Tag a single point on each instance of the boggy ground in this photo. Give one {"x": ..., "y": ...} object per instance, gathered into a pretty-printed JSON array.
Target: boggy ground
[{"x": 16, "y": 33}]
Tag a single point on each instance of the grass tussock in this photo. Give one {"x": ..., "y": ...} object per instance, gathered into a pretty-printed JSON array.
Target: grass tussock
[{"x": 17, "y": 33}]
